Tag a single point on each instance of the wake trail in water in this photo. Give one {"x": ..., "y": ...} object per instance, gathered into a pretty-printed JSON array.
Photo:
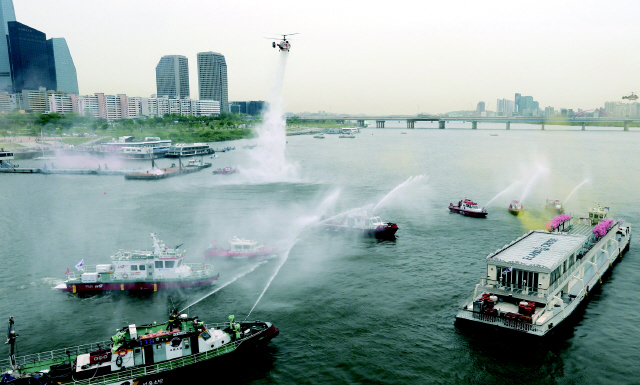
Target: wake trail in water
[
  {"x": 413, "y": 180},
  {"x": 575, "y": 189},
  {"x": 226, "y": 284}
]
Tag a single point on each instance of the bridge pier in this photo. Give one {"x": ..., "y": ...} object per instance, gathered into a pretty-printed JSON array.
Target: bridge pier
[
  {"x": 508, "y": 125},
  {"x": 360, "y": 123},
  {"x": 441, "y": 124},
  {"x": 583, "y": 126},
  {"x": 626, "y": 126},
  {"x": 411, "y": 123},
  {"x": 380, "y": 123},
  {"x": 542, "y": 126},
  {"x": 474, "y": 125}
]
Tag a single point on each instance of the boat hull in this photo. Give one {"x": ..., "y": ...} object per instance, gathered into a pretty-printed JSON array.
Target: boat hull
[
  {"x": 134, "y": 286},
  {"x": 469, "y": 213},
  {"x": 388, "y": 231},
  {"x": 161, "y": 373},
  {"x": 230, "y": 255},
  {"x": 515, "y": 212}
]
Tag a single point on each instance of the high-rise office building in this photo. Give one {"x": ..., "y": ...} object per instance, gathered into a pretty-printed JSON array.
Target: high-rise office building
[
  {"x": 7, "y": 14},
  {"x": 172, "y": 77},
  {"x": 212, "y": 78},
  {"x": 29, "y": 57},
  {"x": 480, "y": 108},
  {"x": 61, "y": 67}
]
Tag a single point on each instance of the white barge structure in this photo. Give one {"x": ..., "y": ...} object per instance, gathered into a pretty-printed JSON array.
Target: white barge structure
[{"x": 537, "y": 281}]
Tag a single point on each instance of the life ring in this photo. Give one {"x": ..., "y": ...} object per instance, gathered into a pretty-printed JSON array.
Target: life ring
[
  {"x": 125, "y": 275},
  {"x": 122, "y": 352}
]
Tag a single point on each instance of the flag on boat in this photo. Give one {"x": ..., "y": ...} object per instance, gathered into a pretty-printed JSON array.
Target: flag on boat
[
  {"x": 80, "y": 264},
  {"x": 67, "y": 272},
  {"x": 507, "y": 270}
]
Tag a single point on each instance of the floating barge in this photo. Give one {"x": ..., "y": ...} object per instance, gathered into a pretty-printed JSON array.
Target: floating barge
[
  {"x": 536, "y": 282},
  {"x": 166, "y": 172}
]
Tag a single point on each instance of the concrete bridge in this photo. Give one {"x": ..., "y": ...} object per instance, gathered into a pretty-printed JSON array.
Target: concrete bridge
[{"x": 411, "y": 119}]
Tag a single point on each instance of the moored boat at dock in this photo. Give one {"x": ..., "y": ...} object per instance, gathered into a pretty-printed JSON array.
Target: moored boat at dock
[
  {"x": 160, "y": 268},
  {"x": 139, "y": 354},
  {"x": 361, "y": 222},
  {"x": 536, "y": 282},
  {"x": 240, "y": 248},
  {"x": 469, "y": 208},
  {"x": 188, "y": 149}
]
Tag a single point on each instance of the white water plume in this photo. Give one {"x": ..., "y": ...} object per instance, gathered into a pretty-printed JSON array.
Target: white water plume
[
  {"x": 398, "y": 190},
  {"x": 269, "y": 163},
  {"x": 226, "y": 284},
  {"x": 540, "y": 171},
  {"x": 302, "y": 224},
  {"x": 575, "y": 189},
  {"x": 511, "y": 186}
]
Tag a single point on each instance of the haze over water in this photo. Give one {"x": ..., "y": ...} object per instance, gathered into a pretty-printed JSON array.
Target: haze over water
[{"x": 349, "y": 310}]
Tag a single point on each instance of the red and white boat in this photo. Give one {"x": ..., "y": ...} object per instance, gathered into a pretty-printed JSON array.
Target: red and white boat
[
  {"x": 515, "y": 208},
  {"x": 225, "y": 171},
  {"x": 469, "y": 208},
  {"x": 361, "y": 222},
  {"x": 161, "y": 268},
  {"x": 240, "y": 248}
]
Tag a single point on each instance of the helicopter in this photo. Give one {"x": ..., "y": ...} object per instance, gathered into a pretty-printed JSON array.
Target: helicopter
[
  {"x": 631, "y": 97},
  {"x": 284, "y": 43}
]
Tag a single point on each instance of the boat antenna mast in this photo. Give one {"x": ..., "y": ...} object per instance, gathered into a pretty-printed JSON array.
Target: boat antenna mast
[{"x": 11, "y": 340}]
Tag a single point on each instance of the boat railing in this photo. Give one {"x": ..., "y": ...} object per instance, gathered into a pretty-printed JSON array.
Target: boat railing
[
  {"x": 495, "y": 319},
  {"x": 521, "y": 290},
  {"x": 58, "y": 355},
  {"x": 197, "y": 270},
  {"x": 128, "y": 374}
]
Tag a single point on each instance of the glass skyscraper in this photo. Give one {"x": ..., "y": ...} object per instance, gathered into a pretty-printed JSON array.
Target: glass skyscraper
[
  {"x": 7, "y": 14},
  {"x": 172, "y": 77},
  {"x": 30, "y": 67},
  {"x": 212, "y": 78},
  {"x": 62, "y": 70}
]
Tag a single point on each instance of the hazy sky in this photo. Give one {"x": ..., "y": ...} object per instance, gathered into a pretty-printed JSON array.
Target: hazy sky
[{"x": 373, "y": 57}]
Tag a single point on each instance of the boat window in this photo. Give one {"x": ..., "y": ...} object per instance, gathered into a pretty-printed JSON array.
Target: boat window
[
  {"x": 237, "y": 247},
  {"x": 142, "y": 267},
  {"x": 134, "y": 267},
  {"x": 246, "y": 247},
  {"x": 205, "y": 335},
  {"x": 169, "y": 264},
  {"x": 158, "y": 264}
]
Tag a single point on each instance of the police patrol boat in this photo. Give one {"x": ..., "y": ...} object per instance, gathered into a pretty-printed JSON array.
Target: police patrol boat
[
  {"x": 161, "y": 268},
  {"x": 534, "y": 283},
  {"x": 137, "y": 354}
]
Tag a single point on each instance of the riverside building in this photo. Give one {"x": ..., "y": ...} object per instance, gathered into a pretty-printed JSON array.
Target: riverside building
[
  {"x": 212, "y": 78},
  {"x": 172, "y": 77}
]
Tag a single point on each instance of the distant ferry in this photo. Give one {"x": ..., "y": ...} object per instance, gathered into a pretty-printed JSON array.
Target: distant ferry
[
  {"x": 536, "y": 282},
  {"x": 188, "y": 149},
  {"x": 158, "y": 147},
  {"x": 5, "y": 158}
]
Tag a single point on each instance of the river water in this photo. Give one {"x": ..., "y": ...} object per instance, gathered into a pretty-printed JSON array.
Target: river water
[{"x": 349, "y": 310}]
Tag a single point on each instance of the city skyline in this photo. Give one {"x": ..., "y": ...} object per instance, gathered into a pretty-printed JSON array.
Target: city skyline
[{"x": 362, "y": 58}]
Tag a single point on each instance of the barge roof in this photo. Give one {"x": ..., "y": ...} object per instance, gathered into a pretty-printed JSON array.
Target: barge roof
[{"x": 537, "y": 250}]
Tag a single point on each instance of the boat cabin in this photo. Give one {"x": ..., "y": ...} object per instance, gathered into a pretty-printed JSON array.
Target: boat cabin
[
  {"x": 240, "y": 244},
  {"x": 5, "y": 158},
  {"x": 597, "y": 214}
]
